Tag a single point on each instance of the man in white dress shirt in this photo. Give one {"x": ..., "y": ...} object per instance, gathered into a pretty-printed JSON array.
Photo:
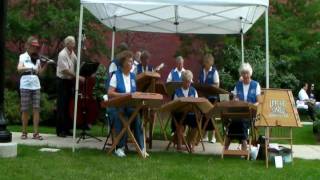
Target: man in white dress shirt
[
  {"x": 175, "y": 74},
  {"x": 304, "y": 102}
]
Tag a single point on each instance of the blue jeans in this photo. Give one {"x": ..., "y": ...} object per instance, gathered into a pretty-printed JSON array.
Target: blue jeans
[{"x": 136, "y": 125}]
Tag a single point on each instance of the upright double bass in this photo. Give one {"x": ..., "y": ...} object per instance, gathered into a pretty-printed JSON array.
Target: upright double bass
[{"x": 88, "y": 107}]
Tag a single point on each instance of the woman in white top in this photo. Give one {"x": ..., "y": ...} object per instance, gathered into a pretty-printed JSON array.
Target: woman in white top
[
  {"x": 123, "y": 82},
  {"x": 186, "y": 90},
  {"x": 30, "y": 67},
  {"x": 209, "y": 75},
  {"x": 249, "y": 91}
]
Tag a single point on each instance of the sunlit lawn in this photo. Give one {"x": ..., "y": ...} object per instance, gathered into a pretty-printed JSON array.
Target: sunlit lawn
[{"x": 94, "y": 164}]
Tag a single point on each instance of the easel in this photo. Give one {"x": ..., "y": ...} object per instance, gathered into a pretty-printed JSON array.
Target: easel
[
  {"x": 146, "y": 82},
  {"x": 278, "y": 111},
  {"x": 138, "y": 101},
  {"x": 199, "y": 106},
  {"x": 234, "y": 109}
]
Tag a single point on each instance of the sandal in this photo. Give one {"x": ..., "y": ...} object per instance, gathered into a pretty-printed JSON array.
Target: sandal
[
  {"x": 24, "y": 135},
  {"x": 37, "y": 136}
]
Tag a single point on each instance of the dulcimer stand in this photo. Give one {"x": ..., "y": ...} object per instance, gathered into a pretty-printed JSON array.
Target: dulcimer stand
[
  {"x": 184, "y": 105},
  {"x": 231, "y": 110},
  {"x": 205, "y": 90},
  {"x": 138, "y": 101},
  {"x": 146, "y": 82}
]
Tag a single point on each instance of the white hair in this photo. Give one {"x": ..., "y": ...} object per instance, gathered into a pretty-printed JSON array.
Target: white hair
[
  {"x": 68, "y": 40},
  {"x": 186, "y": 75},
  {"x": 179, "y": 59},
  {"x": 245, "y": 67}
]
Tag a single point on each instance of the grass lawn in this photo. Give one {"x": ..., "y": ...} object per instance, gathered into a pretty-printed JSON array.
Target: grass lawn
[
  {"x": 302, "y": 135},
  {"x": 93, "y": 164}
]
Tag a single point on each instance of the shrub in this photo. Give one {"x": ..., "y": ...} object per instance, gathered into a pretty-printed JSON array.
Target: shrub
[
  {"x": 12, "y": 107},
  {"x": 316, "y": 127}
]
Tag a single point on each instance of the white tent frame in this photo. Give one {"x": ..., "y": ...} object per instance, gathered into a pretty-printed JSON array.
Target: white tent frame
[{"x": 112, "y": 57}]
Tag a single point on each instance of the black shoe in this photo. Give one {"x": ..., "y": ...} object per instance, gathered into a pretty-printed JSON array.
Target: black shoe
[{"x": 63, "y": 135}]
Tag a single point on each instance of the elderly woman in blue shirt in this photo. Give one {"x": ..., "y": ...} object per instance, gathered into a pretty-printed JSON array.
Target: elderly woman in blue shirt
[
  {"x": 123, "y": 82},
  {"x": 209, "y": 75},
  {"x": 249, "y": 91}
]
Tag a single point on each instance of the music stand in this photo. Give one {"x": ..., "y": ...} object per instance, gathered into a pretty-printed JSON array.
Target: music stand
[
  {"x": 87, "y": 69},
  {"x": 172, "y": 86}
]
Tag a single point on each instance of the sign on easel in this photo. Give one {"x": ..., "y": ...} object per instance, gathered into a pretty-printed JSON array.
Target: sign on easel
[{"x": 277, "y": 109}]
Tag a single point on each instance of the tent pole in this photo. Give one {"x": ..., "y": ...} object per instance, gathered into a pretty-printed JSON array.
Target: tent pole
[
  {"x": 113, "y": 40},
  {"x": 77, "y": 78},
  {"x": 242, "y": 48},
  {"x": 267, "y": 46}
]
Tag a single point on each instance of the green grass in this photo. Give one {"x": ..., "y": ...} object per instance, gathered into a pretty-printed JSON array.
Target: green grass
[
  {"x": 304, "y": 135},
  {"x": 94, "y": 164},
  {"x": 301, "y": 136}
]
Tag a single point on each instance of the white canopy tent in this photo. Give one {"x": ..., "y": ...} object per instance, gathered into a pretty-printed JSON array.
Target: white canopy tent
[{"x": 175, "y": 16}]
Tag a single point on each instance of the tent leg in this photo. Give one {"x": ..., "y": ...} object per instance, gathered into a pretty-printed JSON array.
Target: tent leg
[
  {"x": 267, "y": 46},
  {"x": 113, "y": 41},
  {"x": 242, "y": 49},
  {"x": 77, "y": 78}
]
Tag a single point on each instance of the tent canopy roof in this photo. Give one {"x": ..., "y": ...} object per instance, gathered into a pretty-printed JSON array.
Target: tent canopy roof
[{"x": 178, "y": 16}]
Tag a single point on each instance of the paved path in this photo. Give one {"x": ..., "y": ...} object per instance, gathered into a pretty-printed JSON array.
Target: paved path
[{"x": 50, "y": 140}]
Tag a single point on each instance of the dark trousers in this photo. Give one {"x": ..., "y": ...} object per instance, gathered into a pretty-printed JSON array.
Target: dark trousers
[
  {"x": 238, "y": 129},
  {"x": 65, "y": 88},
  {"x": 190, "y": 121},
  {"x": 311, "y": 112}
]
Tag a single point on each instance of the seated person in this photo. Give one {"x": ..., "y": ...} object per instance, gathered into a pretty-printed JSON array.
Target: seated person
[
  {"x": 209, "y": 75},
  {"x": 114, "y": 64},
  {"x": 144, "y": 65},
  {"x": 313, "y": 97},
  {"x": 186, "y": 91},
  {"x": 304, "y": 102},
  {"x": 175, "y": 74},
  {"x": 249, "y": 91},
  {"x": 123, "y": 82}
]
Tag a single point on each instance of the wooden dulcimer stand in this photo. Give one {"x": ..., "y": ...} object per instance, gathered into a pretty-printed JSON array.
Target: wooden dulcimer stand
[
  {"x": 229, "y": 110},
  {"x": 205, "y": 90},
  {"x": 147, "y": 82},
  {"x": 277, "y": 112},
  {"x": 137, "y": 101},
  {"x": 184, "y": 105}
]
